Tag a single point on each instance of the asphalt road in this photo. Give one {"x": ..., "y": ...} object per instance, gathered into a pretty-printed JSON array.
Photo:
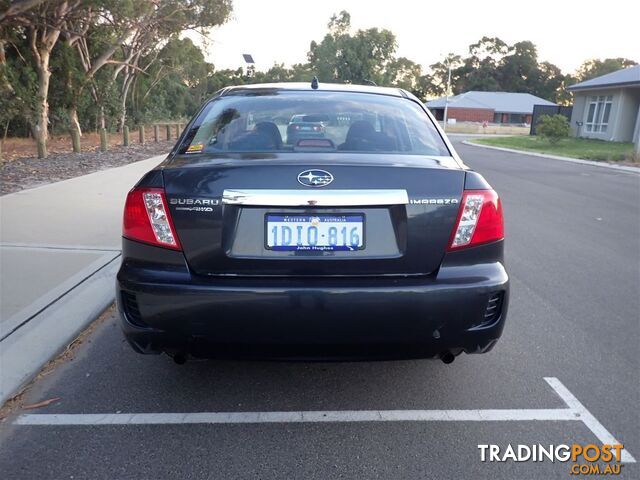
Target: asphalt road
[{"x": 573, "y": 253}]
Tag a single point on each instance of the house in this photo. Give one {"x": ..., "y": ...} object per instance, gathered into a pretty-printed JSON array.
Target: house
[
  {"x": 492, "y": 107},
  {"x": 608, "y": 107}
]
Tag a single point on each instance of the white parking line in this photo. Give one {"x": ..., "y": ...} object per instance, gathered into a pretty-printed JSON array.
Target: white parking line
[
  {"x": 575, "y": 412},
  {"x": 297, "y": 417},
  {"x": 587, "y": 418}
]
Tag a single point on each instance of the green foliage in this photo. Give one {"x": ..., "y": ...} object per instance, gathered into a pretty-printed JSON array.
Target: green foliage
[
  {"x": 110, "y": 57},
  {"x": 224, "y": 78},
  {"x": 18, "y": 89},
  {"x": 122, "y": 61},
  {"x": 366, "y": 56},
  {"x": 493, "y": 65},
  {"x": 595, "y": 67},
  {"x": 553, "y": 128},
  {"x": 279, "y": 73},
  {"x": 434, "y": 85},
  {"x": 174, "y": 85}
]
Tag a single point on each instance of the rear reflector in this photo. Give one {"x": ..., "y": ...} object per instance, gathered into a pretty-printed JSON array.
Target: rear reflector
[
  {"x": 147, "y": 219},
  {"x": 479, "y": 219}
]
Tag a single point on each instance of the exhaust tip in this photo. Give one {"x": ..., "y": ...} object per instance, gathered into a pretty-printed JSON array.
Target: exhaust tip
[
  {"x": 180, "y": 358},
  {"x": 447, "y": 357}
]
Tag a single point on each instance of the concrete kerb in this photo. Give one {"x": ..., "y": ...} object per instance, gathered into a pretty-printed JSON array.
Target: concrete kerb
[{"x": 53, "y": 322}]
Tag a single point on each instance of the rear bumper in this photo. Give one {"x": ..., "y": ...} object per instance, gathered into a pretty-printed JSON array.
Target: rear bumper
[
  {"x": 167, "y": 309},
  {"x": 294, "y": 136}
]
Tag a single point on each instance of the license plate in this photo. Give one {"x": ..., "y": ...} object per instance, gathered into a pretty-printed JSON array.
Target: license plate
[{"x": 315, "y": 232}]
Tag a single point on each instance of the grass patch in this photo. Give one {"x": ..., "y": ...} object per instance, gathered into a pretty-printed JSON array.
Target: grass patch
[{"x": 582, "y": 148}]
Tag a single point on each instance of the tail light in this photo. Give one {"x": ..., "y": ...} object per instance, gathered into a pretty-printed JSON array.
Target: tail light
[
  {"x": 479, "y": 220},
  {"x": 147, "y": 218}
]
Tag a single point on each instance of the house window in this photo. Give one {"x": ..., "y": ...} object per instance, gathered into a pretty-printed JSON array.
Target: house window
[
  {"x": 598, "y": 113},
  {"x": 516, "y": 118}
]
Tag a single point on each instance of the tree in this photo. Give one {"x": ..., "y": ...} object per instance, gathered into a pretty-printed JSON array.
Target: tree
[
  {"x": 18, "y": 82},
  {"x": 479, "y": 71},
  {"x": 118, "y": 59},
  {"x": 224, "y": 78},
  {"x": 552, "y": 84},
  {"x": 493, "y": 65},
  {"x": 596, "y": 67},
  {"x": 403, "y": 73},
  {"x": 489, "y": 47},
  {"x": 519, "y": 70},
  {"x": 360, "y": 58},
  {"x": 434, "y": 84},
  {"x": 79, "y": 39},
  {"x": 42, "y": 23},
  {"x": 300, "y": 72},
  {"x": 157, "y": 21},
  {"x": 175, "y": 84},
  {"x": 13, "y": 9},
  {"x": 95, "y": 37},
  {"x": 476, "y": 74}
]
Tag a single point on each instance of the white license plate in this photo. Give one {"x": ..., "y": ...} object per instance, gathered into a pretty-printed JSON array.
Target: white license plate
[{"x": 315, "y": 232}]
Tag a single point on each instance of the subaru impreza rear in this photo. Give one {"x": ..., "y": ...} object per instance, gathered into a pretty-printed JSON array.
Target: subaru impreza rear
[{"x": 372, "y": 241}]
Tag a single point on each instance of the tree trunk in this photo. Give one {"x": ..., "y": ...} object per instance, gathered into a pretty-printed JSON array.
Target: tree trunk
[
  {"x": 4, "y": 137},
  {"x": 102, "y": 123},
  {"x": 17, "y": 7},
  {"x": 104, "y": 142},
  {"x": 123, "y": 99},
  {"x": 3, "y": 57},
  {"x": 74, "y": 128},
  {"x": 96, "y": 98},
  {"x": 74, "y": 123},
  {"x": 41, "y": 128},
  {"x": 123, "y": 119},
  {"x": 3, "y": 60}
]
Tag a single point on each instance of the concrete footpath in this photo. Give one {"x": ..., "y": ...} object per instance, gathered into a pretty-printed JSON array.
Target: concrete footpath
[{"x": 59, "y": 253}]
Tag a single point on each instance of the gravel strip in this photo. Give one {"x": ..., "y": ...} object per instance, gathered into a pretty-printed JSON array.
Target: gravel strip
[{"x": 23, "y": 173}]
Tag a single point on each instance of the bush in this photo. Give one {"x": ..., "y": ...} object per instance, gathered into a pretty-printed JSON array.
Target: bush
[{"x": 553, "y": 127}]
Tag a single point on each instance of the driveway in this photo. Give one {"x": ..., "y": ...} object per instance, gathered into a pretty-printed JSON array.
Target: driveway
[{"x": 570, "y": 349}]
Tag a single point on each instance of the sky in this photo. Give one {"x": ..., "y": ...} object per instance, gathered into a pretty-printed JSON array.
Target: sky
[{"x": 566, "y": 32}]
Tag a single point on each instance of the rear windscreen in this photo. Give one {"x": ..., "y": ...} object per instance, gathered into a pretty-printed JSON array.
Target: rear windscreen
[{"x": 299, "y": 121}]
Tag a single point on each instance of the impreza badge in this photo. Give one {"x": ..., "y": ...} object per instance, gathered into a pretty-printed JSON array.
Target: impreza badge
[{"x": 315, "y": 178}]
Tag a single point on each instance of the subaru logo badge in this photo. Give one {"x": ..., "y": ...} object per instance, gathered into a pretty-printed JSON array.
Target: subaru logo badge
[{"x": 315, "y": 178}]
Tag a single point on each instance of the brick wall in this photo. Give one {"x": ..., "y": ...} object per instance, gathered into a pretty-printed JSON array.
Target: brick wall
[{"x": 470, "y": 114}]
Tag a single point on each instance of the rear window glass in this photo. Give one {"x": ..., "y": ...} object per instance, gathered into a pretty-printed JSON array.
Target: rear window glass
[{"x": 288, "y": 121}]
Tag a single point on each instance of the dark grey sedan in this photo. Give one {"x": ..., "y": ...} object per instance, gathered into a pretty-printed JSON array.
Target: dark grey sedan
[{"x": 372, "y": 241}]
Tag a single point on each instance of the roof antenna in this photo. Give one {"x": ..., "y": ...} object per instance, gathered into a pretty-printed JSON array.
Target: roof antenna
[
  {"x": 370, "y": 82},
  {"x": 314, "y": 83}
]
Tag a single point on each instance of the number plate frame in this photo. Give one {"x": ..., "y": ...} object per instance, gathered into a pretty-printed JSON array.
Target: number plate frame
[{"x": 295, "y": 248}]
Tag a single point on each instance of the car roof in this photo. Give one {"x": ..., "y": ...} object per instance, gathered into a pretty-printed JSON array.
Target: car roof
[{"x": 306, "y": 86}]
